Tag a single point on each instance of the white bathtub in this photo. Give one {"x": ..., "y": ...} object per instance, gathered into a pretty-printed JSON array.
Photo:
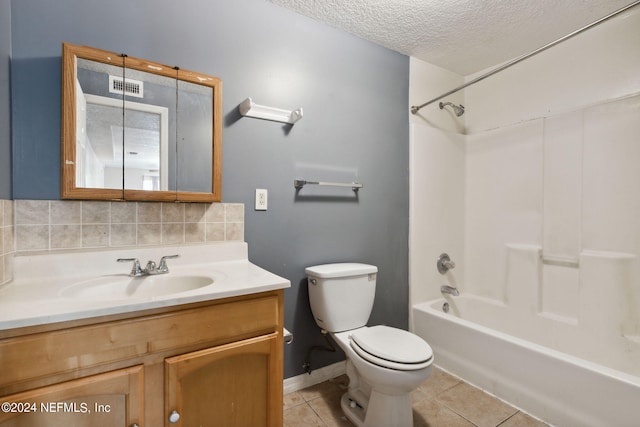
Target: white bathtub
[{"x": 561, "y": 389}]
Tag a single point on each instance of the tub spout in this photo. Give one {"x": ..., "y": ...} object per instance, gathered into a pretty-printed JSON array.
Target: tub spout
[{"x": 445, "y": 289}]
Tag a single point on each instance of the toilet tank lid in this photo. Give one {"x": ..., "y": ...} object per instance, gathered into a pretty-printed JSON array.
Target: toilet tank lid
[{"x": 343, "y": 269}]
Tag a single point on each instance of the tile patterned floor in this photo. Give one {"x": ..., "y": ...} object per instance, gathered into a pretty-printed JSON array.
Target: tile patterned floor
[{"x": 441, "y": 401}]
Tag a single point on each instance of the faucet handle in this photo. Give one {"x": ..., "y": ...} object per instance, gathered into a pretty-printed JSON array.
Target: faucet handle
[
  {"x": 163, "y": 268},
  {"x": 444, "y": 263},
  {"x": 136, "y": 271}
]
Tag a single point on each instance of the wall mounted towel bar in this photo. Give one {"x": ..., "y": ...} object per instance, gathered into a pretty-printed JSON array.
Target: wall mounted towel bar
[
  {"x": 249, "y": 108},
  {"x": 355, "y": 186}
]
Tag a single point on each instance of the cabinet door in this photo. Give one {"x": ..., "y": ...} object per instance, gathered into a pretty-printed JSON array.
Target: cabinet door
[
  {"x": 233, "y": 385},
  {"x": 110, "y": 399}
]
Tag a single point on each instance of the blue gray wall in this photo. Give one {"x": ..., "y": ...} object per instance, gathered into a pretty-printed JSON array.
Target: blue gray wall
[
  {"x": 355, "y": 127},
  {"x": 5, "y": 99}
]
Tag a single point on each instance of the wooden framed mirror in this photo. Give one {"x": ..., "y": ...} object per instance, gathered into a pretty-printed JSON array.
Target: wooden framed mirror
[{"x": 137, "y": 130}]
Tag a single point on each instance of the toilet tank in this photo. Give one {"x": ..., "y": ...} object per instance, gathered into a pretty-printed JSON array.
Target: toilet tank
[{"x": 341, "y": 295}]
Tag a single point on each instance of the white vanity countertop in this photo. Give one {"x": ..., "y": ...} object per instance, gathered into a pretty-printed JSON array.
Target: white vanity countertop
[{"x": 36, "y": 296}]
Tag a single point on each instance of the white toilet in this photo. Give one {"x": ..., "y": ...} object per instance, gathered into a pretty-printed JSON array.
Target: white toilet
[{"x": 384, "y": 364}]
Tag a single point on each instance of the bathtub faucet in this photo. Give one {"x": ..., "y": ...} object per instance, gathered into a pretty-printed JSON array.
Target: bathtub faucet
[
  {"x": 445, "y": 289},
  {"x": 444, "y": 263}
]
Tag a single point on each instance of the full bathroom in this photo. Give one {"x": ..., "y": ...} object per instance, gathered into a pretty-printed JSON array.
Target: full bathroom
[{"x": 527, "y": 180}]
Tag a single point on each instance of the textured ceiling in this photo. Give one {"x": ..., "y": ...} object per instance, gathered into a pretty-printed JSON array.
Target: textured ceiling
[{"x": 464, "y": 36}]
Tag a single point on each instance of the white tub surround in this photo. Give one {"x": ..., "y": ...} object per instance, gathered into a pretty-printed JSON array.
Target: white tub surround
[
  {"x": 40, "y": 291},
  {"x": 547, "y": 247}
]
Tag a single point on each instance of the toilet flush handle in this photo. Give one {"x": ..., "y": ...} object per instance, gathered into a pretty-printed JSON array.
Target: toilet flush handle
[{"x": 313, "y": 281}]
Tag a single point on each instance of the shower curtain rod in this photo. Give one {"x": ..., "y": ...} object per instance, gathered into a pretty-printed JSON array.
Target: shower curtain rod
[{"x": 415, "y": 109}]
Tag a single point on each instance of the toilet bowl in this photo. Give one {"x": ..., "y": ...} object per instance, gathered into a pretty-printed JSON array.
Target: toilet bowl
[
  {"x": 384, "y": 364},
  {"x": 380, "y": 396}
]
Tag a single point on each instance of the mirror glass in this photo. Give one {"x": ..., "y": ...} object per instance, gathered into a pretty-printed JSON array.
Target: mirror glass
[
  {"x": 137, "y": 130},
  {"x": 194, "y": 157},
  {"x": 98, "y": 116},
  {"x": 150, "y": 131}
]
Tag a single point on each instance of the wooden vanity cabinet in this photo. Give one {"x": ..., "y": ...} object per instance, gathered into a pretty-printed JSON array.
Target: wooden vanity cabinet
[
  {"x": 229, "y": 385},
  {"x": 216, "y": 363},
  {"x": 110, "y": 399}
]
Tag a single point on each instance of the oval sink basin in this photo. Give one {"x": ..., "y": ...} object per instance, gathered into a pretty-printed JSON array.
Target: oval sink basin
[{"x": 123, "y": 287}]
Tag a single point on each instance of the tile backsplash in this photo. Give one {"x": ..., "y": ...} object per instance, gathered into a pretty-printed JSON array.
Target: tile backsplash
[
  {"x": 7, "y": 247},
  {"x": 50, "y": 225}
]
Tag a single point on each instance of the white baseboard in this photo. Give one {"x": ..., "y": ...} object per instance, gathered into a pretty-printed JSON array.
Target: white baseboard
[{"x": 317, "y": 376}]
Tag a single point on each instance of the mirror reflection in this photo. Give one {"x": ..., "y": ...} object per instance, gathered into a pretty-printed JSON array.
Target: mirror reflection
[
  {"x": 194, "y": 109},
  {"x": 95, "y": 139},
  {"x": 150, "y": 131},
  {"x": 137, "y": 130}
]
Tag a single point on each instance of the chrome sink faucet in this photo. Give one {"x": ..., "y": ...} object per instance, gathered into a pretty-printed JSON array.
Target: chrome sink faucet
[{"x": 150, "y": 268}]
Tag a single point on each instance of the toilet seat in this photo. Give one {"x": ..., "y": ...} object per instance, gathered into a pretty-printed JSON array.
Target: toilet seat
[{"x": 391, "y": 348}]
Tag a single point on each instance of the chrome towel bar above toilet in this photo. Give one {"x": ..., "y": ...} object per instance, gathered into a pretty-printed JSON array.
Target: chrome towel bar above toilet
[{"x": 299, "y": 183}]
